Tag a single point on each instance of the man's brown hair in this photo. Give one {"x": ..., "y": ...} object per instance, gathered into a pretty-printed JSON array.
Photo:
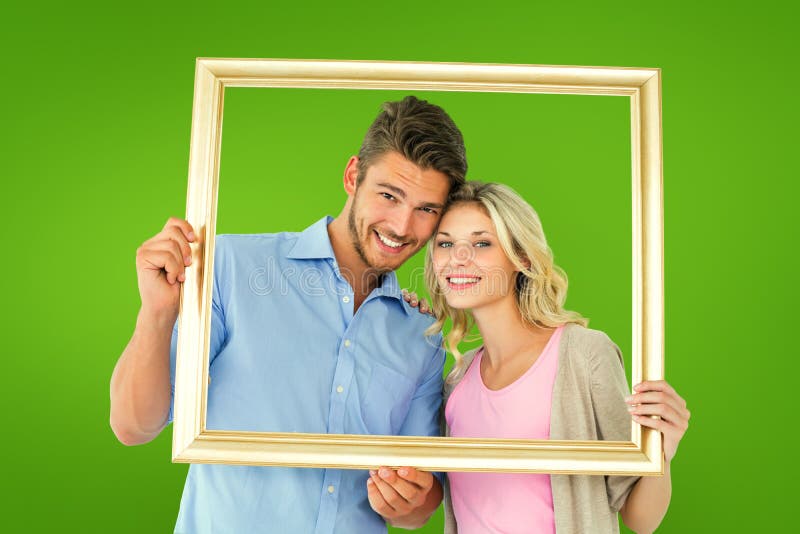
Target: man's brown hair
[{"x": 421, "y": 132}]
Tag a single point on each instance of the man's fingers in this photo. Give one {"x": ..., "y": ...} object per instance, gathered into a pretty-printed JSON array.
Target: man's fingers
[
  {"x": 157, "y": 260},
  {"x": 408, "y": 490},
  {"x": 176, "y": 235},
  {"x": 422, "y": 479},
  {"x": 423, "y": 306},
  {"x": 410, "y": 297},
  {"x": 168, "y": 245},
  {"x": 153, "y": 257},
  {"x": 376, "y": 500},
  {"x": 396, "y": 493},
  {"x": 183, "y": 226},
  {"x": 398, "y": 504},
  {"x": 416, "y": 302}
]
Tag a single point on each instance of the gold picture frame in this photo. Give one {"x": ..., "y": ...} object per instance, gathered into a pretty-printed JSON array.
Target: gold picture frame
[{"x": 193, "y": 443}]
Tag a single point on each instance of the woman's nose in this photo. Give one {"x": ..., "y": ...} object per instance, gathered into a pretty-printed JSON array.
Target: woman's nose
[{"x": 461, "y": 253}]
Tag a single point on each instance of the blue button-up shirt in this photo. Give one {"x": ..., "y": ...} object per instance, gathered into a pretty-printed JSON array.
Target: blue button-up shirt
[{"x": 289, "y": 355}]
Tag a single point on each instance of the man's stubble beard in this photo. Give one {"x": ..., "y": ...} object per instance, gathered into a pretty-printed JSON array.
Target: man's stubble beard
[
  {"x": 352, "y": 227},
  {"x": 354, "y": 238}
]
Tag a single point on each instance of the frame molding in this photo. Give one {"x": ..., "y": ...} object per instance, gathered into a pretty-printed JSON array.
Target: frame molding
[{"x": 193, "y": 443}]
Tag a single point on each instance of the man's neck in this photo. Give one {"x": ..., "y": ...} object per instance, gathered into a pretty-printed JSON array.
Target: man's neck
[{"x": 362, "y": 278}]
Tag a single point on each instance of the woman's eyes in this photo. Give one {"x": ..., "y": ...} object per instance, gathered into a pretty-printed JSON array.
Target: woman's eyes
[{"x": 448, "y": 244}]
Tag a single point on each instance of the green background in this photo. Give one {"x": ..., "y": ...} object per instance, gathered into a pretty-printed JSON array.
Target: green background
[{"x": 96, "y": 119}]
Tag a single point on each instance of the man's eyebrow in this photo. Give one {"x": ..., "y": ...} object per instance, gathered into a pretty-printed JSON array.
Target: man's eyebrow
[
  {"x": 394, "y": 189},
  {"x": 402, "y": 194}
]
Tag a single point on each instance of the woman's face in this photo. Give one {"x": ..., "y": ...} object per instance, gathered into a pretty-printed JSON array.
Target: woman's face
[{"x": 471, "y": 268}]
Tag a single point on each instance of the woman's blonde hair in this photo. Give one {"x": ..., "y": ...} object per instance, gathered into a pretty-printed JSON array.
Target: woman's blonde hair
[{"x": 541, "y": 286}]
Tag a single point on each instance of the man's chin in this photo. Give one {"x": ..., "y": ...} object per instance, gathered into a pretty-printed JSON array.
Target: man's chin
[{"x": 385, "y": 265}]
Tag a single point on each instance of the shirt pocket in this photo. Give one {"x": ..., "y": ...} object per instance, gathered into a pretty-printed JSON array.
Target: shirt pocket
[{"x": 386, "y": 401}]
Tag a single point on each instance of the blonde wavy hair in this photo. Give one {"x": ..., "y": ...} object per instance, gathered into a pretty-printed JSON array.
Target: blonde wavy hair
[{"x": 541, "y": 286}]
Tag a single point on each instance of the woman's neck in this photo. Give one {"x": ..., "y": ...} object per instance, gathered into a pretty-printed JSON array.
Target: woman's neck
[{"x": 505, "y": 334}]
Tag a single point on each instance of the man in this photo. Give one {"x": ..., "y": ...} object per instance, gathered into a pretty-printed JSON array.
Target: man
[{"x": 310, "y": 333}]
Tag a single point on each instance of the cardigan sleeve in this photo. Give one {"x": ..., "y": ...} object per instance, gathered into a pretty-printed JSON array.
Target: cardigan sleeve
[
  {"x": 609, "y": 388},
  {"x": 450, "y": 525}
]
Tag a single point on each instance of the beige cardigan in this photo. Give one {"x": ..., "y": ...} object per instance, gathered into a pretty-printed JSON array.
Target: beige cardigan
[{"x": 588, "y": 404}]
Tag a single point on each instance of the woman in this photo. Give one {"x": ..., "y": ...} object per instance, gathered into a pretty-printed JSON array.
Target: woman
[{"x": 540, "y": 374}]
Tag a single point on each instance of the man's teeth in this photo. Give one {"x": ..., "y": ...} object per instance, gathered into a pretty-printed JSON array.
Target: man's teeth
[
  {"x": 454, "y": 280},
  {"x": 388, "y": 242}
]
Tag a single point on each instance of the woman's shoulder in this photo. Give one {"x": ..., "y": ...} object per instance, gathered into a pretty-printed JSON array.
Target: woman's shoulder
[
  {"x": 588, "y": 337},
  {"x": 579, "y": 342}
]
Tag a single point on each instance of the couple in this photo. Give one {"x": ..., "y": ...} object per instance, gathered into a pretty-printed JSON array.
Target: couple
[{"x": 367, "y": 367}]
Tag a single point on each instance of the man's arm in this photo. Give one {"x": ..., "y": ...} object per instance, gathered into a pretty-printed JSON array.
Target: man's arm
[
  {"x": 405, "y": 498},
  {"x": 140, "y": 384}
]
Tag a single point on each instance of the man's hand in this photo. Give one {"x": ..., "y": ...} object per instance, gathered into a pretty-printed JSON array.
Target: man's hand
[
  {"x": 140, "y": 385},
  {"x": 415, "y": 302},
  {"x": 405, "y": 497},
  {"x": 160, "y": 268},
  {"x": 656, "y": 397}
]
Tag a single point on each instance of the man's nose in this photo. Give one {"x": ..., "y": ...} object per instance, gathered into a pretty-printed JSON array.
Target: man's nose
[{"x": 402, "y": 222}]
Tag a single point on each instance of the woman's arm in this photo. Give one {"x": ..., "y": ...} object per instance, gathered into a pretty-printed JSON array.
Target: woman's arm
[{"x": 649, "y": 499}]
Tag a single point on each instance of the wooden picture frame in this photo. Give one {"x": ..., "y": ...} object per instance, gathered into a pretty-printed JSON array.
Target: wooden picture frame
[{"x": 193, "y": 443}]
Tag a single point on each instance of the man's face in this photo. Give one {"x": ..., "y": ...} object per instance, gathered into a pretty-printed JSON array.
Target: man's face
[{"x": 395, "y": 210}]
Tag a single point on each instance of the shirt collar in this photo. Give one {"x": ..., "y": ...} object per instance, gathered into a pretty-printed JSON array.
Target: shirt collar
[
  {"x": 390, "y": 287},
  {"x": 315, "y": 243}
]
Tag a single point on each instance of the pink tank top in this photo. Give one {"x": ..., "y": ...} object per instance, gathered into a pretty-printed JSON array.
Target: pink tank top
[{"x": 504, "y": 502}]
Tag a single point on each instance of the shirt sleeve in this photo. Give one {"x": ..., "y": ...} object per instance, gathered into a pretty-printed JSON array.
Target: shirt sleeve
[
  {"x": 423, "y": 413},
  {"x": 217, "y": 340},
  {"x": 609, "y": 389}
]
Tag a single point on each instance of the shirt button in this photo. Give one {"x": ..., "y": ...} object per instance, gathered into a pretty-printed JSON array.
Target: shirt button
[
  {"x": 330, "y": 489},
  {"x": 345, "y": 299},
  {"x": 346, "y": 342},
  {"x": 339, "y": 389}
]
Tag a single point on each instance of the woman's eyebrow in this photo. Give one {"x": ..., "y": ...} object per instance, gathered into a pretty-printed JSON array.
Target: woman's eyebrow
[{"x": 479, "y": 232}]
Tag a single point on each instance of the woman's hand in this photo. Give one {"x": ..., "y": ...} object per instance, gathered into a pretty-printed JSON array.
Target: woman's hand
[{"x": 656, "y": 397}]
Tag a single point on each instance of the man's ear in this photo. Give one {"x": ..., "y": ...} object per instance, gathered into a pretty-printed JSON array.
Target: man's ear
[{"x": 351, "y": 175}]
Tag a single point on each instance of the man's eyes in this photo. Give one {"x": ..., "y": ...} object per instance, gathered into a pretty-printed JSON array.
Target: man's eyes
[{"x": 426, "y": 209}]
